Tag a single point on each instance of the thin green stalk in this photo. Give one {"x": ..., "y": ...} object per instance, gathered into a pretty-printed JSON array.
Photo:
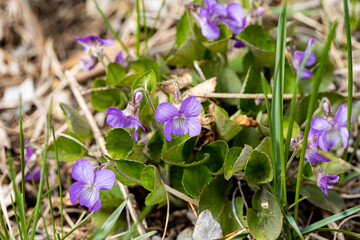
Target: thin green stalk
[
  {"x": 18, "y": 197},
  {"x": 157, "y": 18},
  {"x": 16, "y": 217},
  {"x": 3, "y": 225},
  {"x": 45, "y": 227},
  {"x": 277, "y": 140},
  {"x": 60, "y": 187},
  {"x": 77, "y": 226},
  {"x": 50, "y": 204},
  {"x": 22, "y": 152},
  {"x": 138, "y": 29},
  {"x": 340, "y": 231},
  {"x": 43, "y": 170},
  {"x": 293, "y": 103},
  {"x": 146, "y": 37},
  {"x": 350, "y": 69},
  {"x": 312, "y": 104},
  {"x": 112, "y": 30}
]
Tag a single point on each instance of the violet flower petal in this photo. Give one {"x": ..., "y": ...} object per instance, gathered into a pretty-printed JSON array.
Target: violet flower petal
[
  {"x": 190, "y": 107},
  {"x": 332, "y": 137},
  {"x": 194, "y": 126},
  {"x": 209, "y": 3},
  {"x": 88, "y": 63},
  {"x": 115, "y": 117},
  {"x": 305, "y": 74},
  {"x": 235, "y": 14},
  {"x": 312, "y": 156},
  {"x": 209, "y": 30},
  {"x": 168, "y": 130},
  {"x": 165, "y": 112},
  {"x": 119, "y": 59},
  {"x": 340, "y": 118},
  {"x": 88, "y": 196},
  {"x": 239, "y": 44},
  {"x": 83, "y": 171},
  {"x": 96, "y": 206},
  {"x": 323, "y": 143},
  {"x": 218, "y": 9},
  {"x": 344, "y": 136},
  {"x": 179, "y": 126},
  {"x": 104, "y": 179},
  {"x": 75, "y": 190},
  {"x": 92, "y": 39},
  {"x": 300, "y": 56},
  {"x": 319, "y": 124}
]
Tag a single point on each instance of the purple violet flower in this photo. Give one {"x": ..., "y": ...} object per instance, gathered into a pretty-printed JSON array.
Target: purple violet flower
[
  {"x": 311, "y": 154},
  {"x": 89, "y": 184},
  {"x": 332, "y": 130},
  {"x": 88, "y": 63},
  {"x": 119, "y": 59},
  {"x": 324, "y": 179},
  {"x": 35, "y": 170},
  {"x": 180, "y": 121},
  {"x": 299, "y": 56},
  {"x": 129, "y": 118},
  {"x": 232, "y": 15},
  {"x": 93, "y": 44}
]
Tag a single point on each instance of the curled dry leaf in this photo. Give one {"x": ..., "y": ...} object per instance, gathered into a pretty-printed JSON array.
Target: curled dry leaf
[
  {"x": 183, "y": 81},
  {"x": 245, "y": 121},
  {"x": 207, "y": 135},
  {"x": 205, "y": 87}
]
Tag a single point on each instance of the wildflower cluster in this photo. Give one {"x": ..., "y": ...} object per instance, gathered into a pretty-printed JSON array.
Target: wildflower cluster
[{"x": 325, "y": 133}]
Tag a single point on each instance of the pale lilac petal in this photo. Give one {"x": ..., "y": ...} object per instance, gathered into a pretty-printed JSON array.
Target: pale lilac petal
[
  {"x": 310, "y": 43},
  {"x": 191, "y": 107},
  {"x": 88, "y": 63},
  {"x": 305, "y": 74},
  {"x": 179, "y": 126},
  {"x": 204, "y": 13},
  {"x": 75, "y": 190},
  {"x": 259, "y": 11},
  {"x": 209, "y": 30},
  {"x": 83, "y": 171},
  {"x": 319, "y": 124},
  {"x": 88, "y": 196},
  {"x": 332, "y": 137},
  {"x": 115, "y": 117},
  {"x": 209, "y": 3},
  {"x": 218, "y": 9},
  {"x": 104, "y": 179},
  {"x": 341, "y": 116},
  {"x": 96, "y": 206},
  {"x": 344, "y": 136},
  {"x": 194, "y": 126},
  {"x": 165, "y": 112},
  {"x": 323, "y": 143},
  {"x": 235, "y": 14},
  {"x": 119, "y": 59},
  {"x": 168, "y": 130},
  {"x": 312, "y": 156}
]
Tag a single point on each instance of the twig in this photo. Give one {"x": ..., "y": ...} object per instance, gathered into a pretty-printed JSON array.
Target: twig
[
  {"x": 101, "y": 143},
  {"x": 181, "y": 195},
  {"x": 167, "y": 212}
]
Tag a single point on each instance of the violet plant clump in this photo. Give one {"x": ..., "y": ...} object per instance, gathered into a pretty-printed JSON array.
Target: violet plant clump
[
  {"x": 129, "y": 118},
  {"x": 182, "y": 119},
  {"x": 298, "y": 57},
  {"x": 94, "y": 47},
  {"x": 89, "y": 183}
]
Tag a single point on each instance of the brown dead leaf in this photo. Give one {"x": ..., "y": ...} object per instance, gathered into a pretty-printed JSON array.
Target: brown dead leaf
[
  {"x": 245, "y": 121},
  {"x": 205, "y": 87},
  {"x": 207, "y": 135},
  {"x": 183, "y": 81}
]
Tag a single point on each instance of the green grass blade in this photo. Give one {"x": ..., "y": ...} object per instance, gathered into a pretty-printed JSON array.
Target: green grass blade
[
  {"x": 277, "y": 140},
  {"x": 22, "y": 152},
  {"x": 16, "y": 217},
  {"x": 311, "y": 107},
  {"x": 138, "y": 29},
  {"x": 339, "y": 230},
  {"x": 350, "y": 69},
  {"x": 50, "y": 203},
  {"x": 77, "y": 226},
  {"x": 110, "y": 222},
  {"x": 292, "y": 222},
  {"x": 145, "y": 236},
  {"x": 18, "y": 198},
  {"x": 157, "y": 18},
  {"x": 293, "y": 103},
  {"x": 60, "y": 187},
  {"x": 112, "y": 30},
  {"x": 315, "y": 226},
  {"x": 43, "y": 170},
  {"x": 3, "y": 225}
]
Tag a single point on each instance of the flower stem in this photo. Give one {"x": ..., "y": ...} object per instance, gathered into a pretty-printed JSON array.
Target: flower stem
[{"x": 101, "y": 61}]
